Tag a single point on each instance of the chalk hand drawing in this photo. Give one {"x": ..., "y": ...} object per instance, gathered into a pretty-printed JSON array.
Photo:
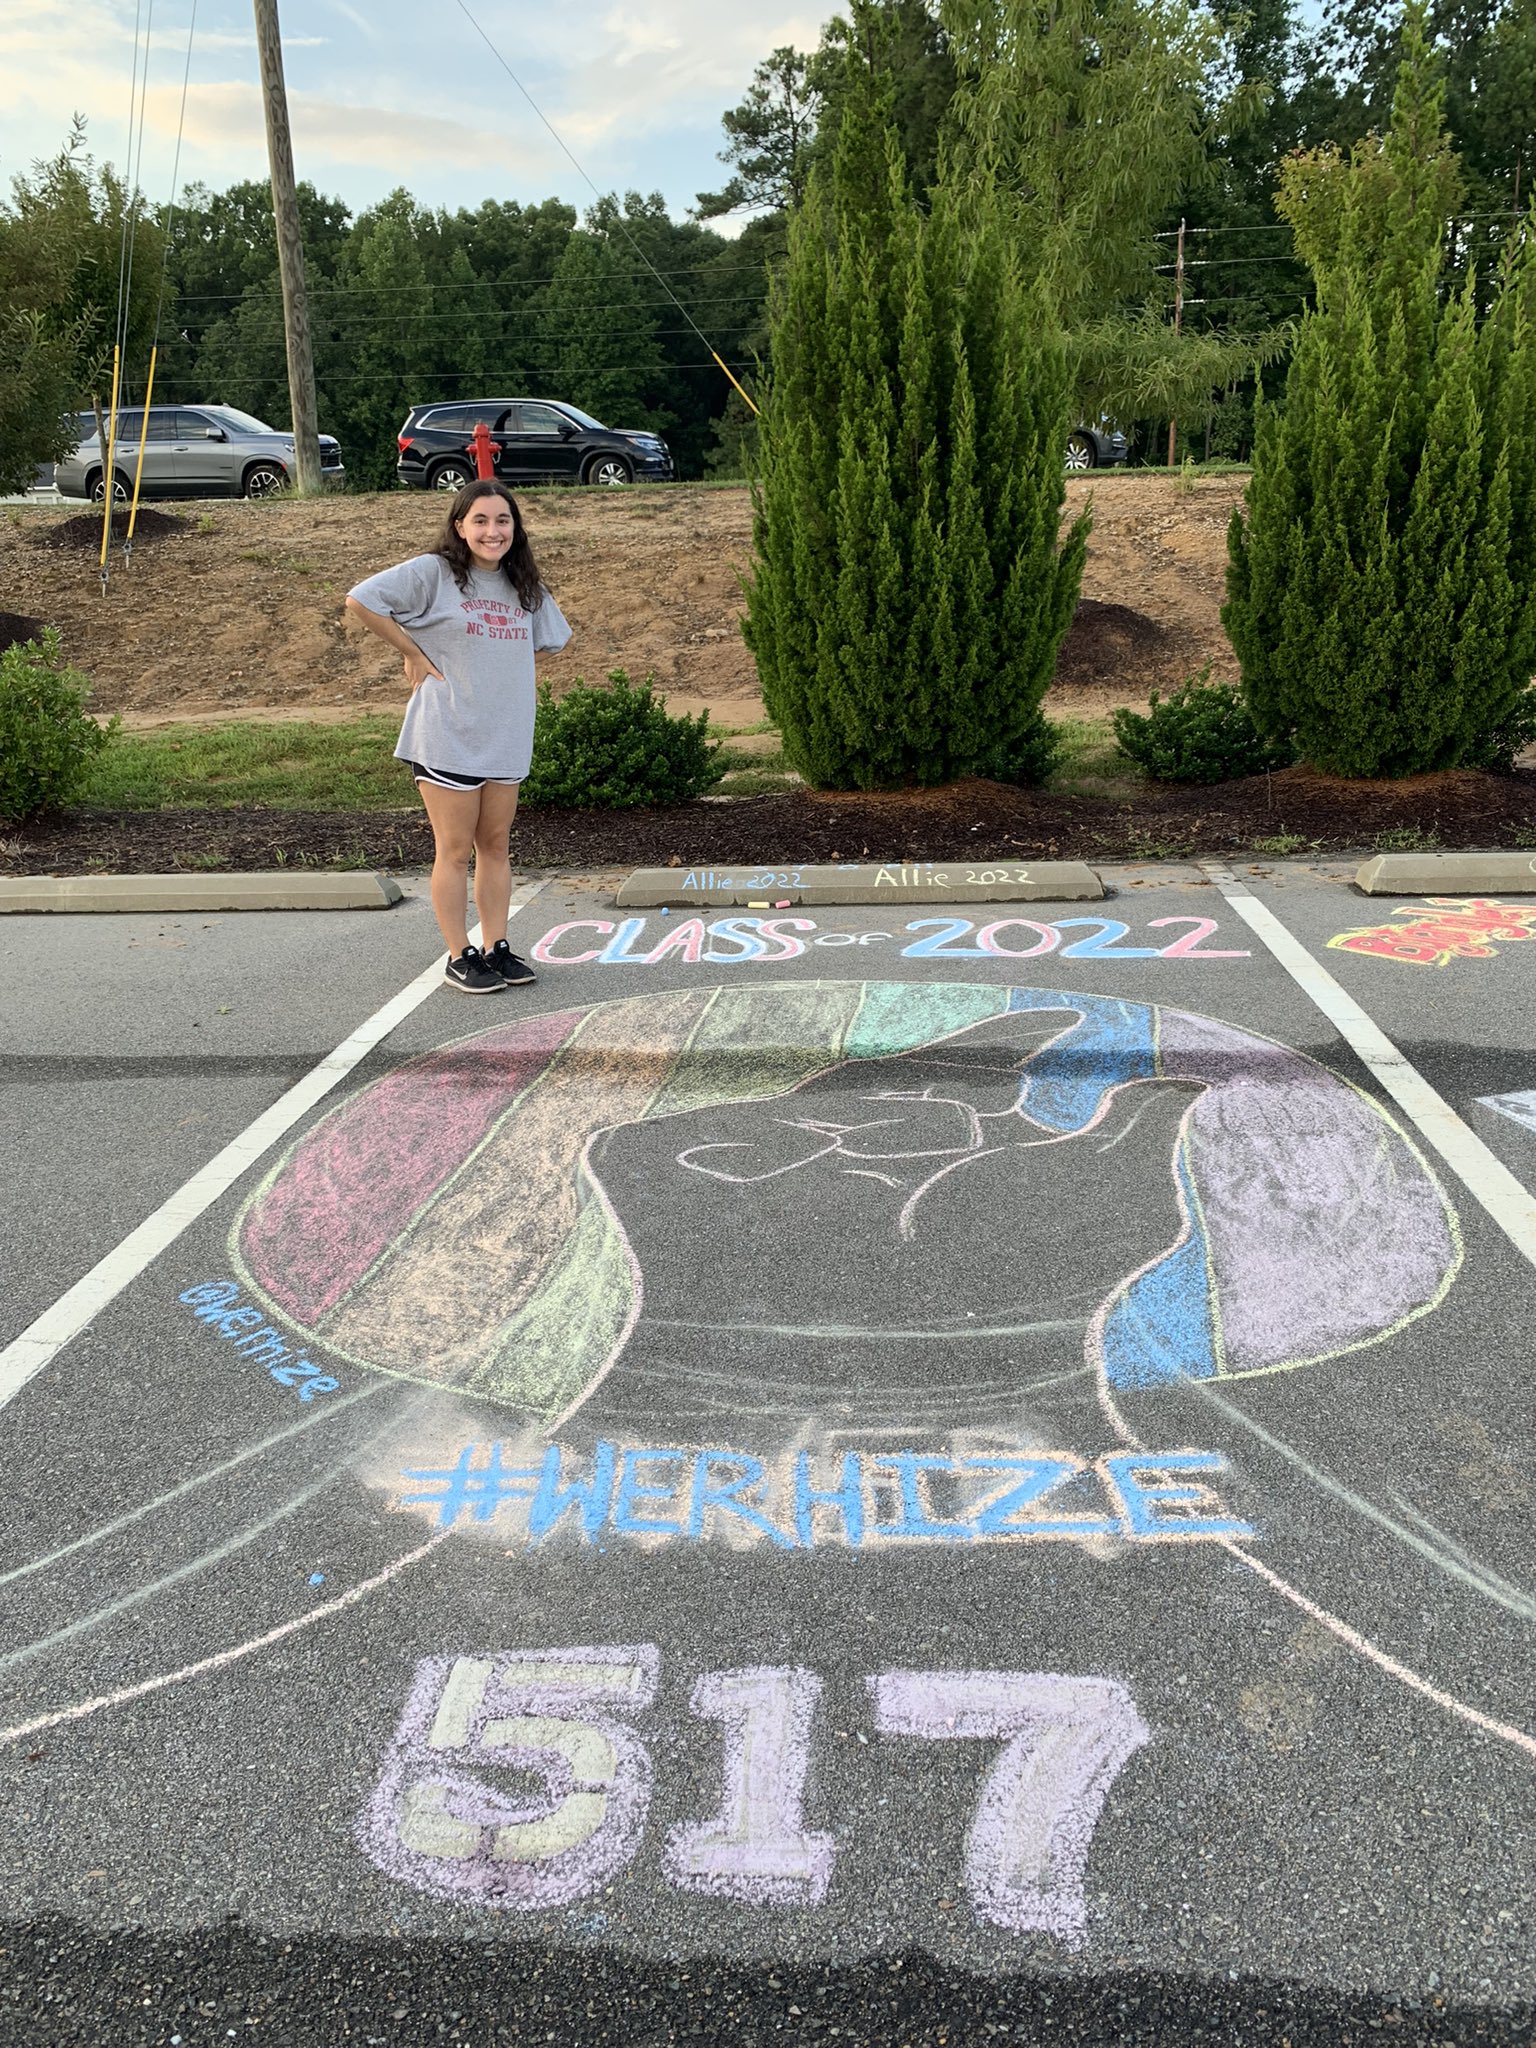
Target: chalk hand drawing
[
  {"x": 756, "y": 1848},
  {"x": 436, "y": 1822},
  {"x": 1460, "y": 928},
  {"x": 1066, "y": 1740},
  {"x": 1520, "y": 1107},
  {"x": 1295, "y": 1220}
]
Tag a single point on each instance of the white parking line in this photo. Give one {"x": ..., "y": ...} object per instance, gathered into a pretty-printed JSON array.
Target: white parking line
[
  {"x": 1486, "y": 1178},
  {"x": 26, "y": 1356}
]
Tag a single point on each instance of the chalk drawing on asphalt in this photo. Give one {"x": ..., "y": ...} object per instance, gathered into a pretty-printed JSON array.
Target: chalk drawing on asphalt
[
  {"x": 750, "y": 941},
  {"x": 580, "y": 1723},
  {"x": 551, "y": 1170},
  {"x": 854, "y": 1500},
  {"x": 1519, "y": 1107},
  {"x": 1453, "y": 928}
]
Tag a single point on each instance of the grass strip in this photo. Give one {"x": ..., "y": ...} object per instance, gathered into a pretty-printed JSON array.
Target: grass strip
[
  {"x": 289, "y": 767},
  {"x": 350, "y": 766}
]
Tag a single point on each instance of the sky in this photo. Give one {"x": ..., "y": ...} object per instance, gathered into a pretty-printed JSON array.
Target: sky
[{"x": 384, "y": 93}]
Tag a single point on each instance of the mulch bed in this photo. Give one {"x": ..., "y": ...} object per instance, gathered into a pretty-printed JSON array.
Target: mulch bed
[
  {"x": 982, "y": 820},
  {"x": 1107, "y": 642},
  {"x": 15, "y": 627}
]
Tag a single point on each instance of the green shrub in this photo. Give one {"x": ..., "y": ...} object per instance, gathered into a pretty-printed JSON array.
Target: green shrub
[
  {"x": 47, "y": 742},
  {"x": 1381, "y": 589},
  {"x": 1204, "y": 732},
  {"x": 610, "y": 749},
  {"x": 1500, "y": 745},
  {"x": 910, "y": 586}
]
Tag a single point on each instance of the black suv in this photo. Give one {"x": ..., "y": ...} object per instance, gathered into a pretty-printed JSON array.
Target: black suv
[{"x": 537, "y": 440}]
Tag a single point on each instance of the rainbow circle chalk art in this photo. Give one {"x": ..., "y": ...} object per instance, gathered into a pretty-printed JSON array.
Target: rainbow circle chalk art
[{"x": 455, "y": 1222}]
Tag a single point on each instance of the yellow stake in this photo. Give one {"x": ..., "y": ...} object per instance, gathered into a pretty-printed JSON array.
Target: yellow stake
[
  {"x": 109, "y": 474},
  {"x": 745, "y": 394},
  {"x": 138, "y": 472}
]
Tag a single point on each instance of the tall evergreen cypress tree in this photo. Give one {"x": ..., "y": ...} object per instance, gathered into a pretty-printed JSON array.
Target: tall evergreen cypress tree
[
  {"x": 909, "y": 591},
  {"x": 1381, "y": 586}
]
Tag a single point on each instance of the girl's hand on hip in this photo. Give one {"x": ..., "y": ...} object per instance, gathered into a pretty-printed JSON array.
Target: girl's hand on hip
[{"x": 418, "y": 668}]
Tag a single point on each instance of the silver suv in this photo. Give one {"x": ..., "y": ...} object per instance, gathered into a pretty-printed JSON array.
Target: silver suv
[{"x": 193, "y": 451}]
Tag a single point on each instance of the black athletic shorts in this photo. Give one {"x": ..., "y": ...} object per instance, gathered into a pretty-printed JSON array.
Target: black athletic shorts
[{"x": 444, "y": 778}]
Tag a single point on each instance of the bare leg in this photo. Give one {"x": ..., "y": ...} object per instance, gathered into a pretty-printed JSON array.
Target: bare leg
[
  {"x": 453, "y": 813},
  {"x": 493, "y": 865}
]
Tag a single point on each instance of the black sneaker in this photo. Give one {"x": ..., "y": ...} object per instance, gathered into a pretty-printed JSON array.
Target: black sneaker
[
  {"x": 503, "y": 961},
  {"x": 470, "y": 975}
]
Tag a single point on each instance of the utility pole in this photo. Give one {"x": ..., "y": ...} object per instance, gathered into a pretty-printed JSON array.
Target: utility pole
[
  {"x": 290, "y": 250},
  {"x": 1178, "y": 316}
]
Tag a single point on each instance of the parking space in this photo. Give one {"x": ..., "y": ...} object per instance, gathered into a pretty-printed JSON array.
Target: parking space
[{"x": 804, "y": 1440}]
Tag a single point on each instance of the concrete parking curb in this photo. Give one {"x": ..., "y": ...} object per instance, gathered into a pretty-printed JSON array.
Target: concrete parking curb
[
  {"x": 1448, "y": 874},
  {"x": 771, "y": 885},
  {"x": 302, "y": 890}
]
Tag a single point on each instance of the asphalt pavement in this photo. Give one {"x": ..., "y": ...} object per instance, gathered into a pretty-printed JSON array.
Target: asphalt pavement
[{"x": 908, "y": 1473}]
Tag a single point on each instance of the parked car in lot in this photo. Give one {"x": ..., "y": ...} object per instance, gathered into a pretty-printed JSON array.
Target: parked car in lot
[
  {"x": 1096, "y": 447},
  {"x": 536, "y": 440},
  {"x": 192, "y": 451},
  {"x": 80, "y": 424}
]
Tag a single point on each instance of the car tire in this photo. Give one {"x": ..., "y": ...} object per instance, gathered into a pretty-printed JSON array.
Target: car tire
[
  {"x": 96, "y": 488},
  {"x": 611, "y": 470},
  {"x": 264, "y": 480},
  {"x": 449, "y": 476},
  {"x": 1081, "y": 453}
]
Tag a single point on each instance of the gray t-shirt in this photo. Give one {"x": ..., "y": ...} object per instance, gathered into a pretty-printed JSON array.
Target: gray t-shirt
[{"x": 478, "y": 720}]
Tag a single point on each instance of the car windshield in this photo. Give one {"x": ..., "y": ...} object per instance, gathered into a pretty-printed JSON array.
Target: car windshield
[
  {"x": 582, "y": 419},
  {"x": 246, "y": 423}
]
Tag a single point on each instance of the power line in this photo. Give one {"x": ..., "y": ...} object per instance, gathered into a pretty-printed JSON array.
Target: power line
[
  {"x": 398, "y": 380},
  {"x": 736, "y": 330},
  {"x": 493, "y": 284},
  {"x": 537, "y": 372},
  {"x": 1227, "y": 262},
  {"x": 618, "y": 220}
]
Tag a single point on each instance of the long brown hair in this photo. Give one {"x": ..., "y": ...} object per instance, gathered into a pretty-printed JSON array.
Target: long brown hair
[{"x": 517, "y": 563}]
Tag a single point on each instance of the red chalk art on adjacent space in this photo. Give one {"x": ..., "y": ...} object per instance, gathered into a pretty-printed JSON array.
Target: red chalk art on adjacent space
[
  {"x": 439, "y": 1820},
  {"x": 1454, "y": 928}
]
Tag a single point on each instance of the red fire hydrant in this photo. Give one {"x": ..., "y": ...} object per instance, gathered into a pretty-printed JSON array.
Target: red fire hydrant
[{"x": 483, "y": 448}]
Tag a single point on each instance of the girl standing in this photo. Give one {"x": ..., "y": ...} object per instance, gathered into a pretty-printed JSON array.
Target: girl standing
[{"x": 468, "y": 620}]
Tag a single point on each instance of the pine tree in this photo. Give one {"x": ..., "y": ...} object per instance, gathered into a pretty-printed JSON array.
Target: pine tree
[
  {"x": 1381, "y": 590},
  {"x": 909, "y": 591}
]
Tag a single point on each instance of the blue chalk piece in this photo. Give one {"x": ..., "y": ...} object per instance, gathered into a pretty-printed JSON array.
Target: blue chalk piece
[
  {"x": 664, "y": 910},
  {"x": 317, "y": 1578}
]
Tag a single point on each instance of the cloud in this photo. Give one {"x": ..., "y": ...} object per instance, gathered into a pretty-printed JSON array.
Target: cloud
[
  {"x": 395, "y": 93},
  {"x": 220, "y": 40},
  {"x": 229, "y": 117}
]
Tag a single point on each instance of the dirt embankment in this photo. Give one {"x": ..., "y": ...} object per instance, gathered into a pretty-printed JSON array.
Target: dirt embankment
[{"x": 234, "y": 609}]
